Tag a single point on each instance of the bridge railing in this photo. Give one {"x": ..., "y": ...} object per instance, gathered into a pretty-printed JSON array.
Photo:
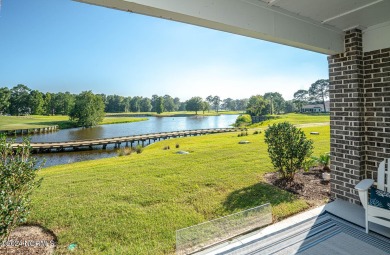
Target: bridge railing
[{"x": 144, "y": 135}]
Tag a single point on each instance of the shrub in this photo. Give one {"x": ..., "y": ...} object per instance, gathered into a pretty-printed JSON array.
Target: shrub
[
  {"x": 177, "y": 146},
  {"x": 288, "y": 148},
  {"x": 323, "y": 160},
  {"x": 139, "y": 149},
  {"x": 308, "y": 163},
  {"x": 243, "y": 120},
  {"x": 124, "y": 151},
  {"x": 18, "y": 172}
]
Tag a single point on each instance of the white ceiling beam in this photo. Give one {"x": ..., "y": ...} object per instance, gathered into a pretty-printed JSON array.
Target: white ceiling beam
[
  {"x": 252, "y": 18},
  {"x": 351, "y": 11},
  {"x": 273, "y": 2},
  {"x": 376, "y": 37}
]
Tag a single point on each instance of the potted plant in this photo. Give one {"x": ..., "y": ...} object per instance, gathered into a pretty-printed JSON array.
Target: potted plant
[{"x": 324, "y": 160}]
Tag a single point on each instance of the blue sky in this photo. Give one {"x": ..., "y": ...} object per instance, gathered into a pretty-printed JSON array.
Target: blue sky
[{"x": 62, "y": 45}]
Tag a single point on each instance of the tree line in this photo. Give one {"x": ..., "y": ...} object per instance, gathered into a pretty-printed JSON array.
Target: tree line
[
  {"x": 274, "y": 103},
  {"x": 88, "y": 109},
  {"x": 318, "y": 93},
  {"x": 269, "y": 103},
  {"x": 21, "y": 100}
]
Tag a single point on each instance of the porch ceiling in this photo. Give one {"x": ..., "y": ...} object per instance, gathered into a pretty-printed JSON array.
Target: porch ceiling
[
  {"x": 316, "y": 25},
  {"x": 343, "y": 14}
]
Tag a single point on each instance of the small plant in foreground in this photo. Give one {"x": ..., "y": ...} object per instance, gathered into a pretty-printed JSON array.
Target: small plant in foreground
[
  {"x": 18, "y": 171},
  {"x": 309, "y": 163},
  {"x": 177, "y": 146},
  {"x": 288, "y": 148},
  {"x": 139, "y": 149},
  {"x": 124, "y": 151},
  {"x": 243, "y": 134},
  {"x": 323, "y": 160}
]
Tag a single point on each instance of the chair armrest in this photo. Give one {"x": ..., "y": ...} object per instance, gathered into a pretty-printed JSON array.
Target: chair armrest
[{"x": 364, "y": 185}]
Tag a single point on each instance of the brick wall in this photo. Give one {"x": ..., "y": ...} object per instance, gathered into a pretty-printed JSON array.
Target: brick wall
[
  {"x": 377, "y": 108},
  {"x": 360, "y": 114}
]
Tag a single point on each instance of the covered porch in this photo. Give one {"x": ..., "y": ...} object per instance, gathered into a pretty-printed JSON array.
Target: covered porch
[{"x": 355, "y": 34}]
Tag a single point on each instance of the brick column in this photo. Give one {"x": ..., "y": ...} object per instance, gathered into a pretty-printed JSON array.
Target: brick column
[{"x": 347, "y": 118}]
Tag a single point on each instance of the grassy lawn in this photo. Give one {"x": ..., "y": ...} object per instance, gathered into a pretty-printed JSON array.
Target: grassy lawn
[
  {"x": 296, "y": 119},
  {"x": 133, "y": 204},
  {"x": 37, "y": 121},
  {"x": 117, "y": 120}
]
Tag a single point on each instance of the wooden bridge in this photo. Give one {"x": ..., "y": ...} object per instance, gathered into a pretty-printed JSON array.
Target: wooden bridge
[{"x": 117, "y": 141}]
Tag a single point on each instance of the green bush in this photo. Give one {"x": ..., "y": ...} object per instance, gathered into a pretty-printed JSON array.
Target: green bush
[
  {"x": 288, "y": 148},
  {"x": 139, "y": 149},
  {"x": 324, "y": 161},
  {"x": 124, "y": 151},
  {"x": 308, "y": 164},
  {"x": 243, "y": 120},
  {"x": 18, "y": 172}
]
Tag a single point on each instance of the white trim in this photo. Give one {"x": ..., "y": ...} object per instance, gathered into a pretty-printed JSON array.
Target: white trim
[
  {"x": 378, "y": 26},
  {"x": 292, "y": 15},
  {"x": 273, "y": 2},
  {"x": 240, "y": 17},
  {"x": 376, "y": 37},
  {"x": 351, "y": 11},
  {"x": 354, "y": 27}
]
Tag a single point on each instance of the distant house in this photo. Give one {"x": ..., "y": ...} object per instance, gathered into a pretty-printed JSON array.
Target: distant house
[{"x": 312, "y": 108}]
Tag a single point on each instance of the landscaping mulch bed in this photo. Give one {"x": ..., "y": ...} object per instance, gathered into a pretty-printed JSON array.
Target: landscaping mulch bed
[
  {"x": 29, "y": 240},
  {"x": 307, "y": 185}
]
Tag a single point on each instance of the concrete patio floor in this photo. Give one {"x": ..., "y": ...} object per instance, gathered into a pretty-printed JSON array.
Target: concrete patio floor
[{"x": 349, "y": 212}]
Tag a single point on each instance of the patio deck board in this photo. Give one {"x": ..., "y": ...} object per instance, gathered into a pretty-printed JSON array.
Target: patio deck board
[{"x": 335, "y": 228}]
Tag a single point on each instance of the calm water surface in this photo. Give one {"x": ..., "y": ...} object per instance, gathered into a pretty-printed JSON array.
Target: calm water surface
[{"x": 153, "y": 125}]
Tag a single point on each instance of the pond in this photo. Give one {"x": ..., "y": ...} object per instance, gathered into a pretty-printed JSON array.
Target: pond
[{"x": 152, "y": 125}]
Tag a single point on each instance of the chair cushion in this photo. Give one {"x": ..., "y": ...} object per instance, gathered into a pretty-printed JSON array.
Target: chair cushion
[{"x": 379, "y": 198}]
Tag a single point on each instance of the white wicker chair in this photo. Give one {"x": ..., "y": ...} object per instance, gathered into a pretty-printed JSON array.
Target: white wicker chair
[{"x": 373, "y": 213}]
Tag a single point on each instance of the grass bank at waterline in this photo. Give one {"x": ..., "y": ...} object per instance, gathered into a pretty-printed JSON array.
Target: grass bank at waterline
[
  {"x": 39, "y": 121},
  {"x": 117, "y": 120},
  {"x": 297, "y": 119},
  {"x": 177, "y": 114},
  {"x": 133, "y": 204}
]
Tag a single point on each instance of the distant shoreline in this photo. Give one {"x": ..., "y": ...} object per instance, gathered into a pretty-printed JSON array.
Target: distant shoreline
[
  {"x": 8, "y": 124},
  {"x": 168, "y": 114}
]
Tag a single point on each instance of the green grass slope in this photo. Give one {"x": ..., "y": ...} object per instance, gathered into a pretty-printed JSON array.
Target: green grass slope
[
  {"x": 296, "y": 119},
  {"x": 134, "y": 204}
]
